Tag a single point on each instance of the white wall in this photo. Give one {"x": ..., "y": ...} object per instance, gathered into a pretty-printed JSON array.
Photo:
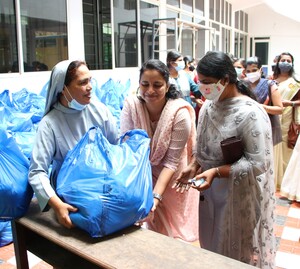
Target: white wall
[
  {"x": 34, "y": 82},
  {"x": 75, "y": 29},
  {"x": 284, "y": 32}
]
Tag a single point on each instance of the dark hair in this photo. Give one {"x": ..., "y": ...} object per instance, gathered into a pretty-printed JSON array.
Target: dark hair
[
  {"x": 254, "y": 60},
  {"x": 188, "y": 59},
  {"x": 172, "y": 56},
  {"x": 160, "y": 67},
  {"x": 242, "y": 61},
  {"x": 218, "y": 65},
  {"x": 71, "y": 71},
  {"x": 277, "y": 71},
  {"x": 257, "y": 61},
  {"x": 231, "y": 56},
  {"x": 275, "y": 60}
]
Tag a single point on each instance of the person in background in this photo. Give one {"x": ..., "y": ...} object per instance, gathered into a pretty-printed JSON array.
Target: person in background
[
  {"x": 275, "y": 60},
  {"x": 189, "y": 68},
  {"x": 237, "y": 199},
  {"x": 266, "y": 93},
  {"x": 288, "y": 87},
  {"x": 290, "y": 186},
  {"x": 240, "y": 66},
  {"x": 69, "y": 113},
  {"x": 180, "y": 78},
  {"x": 170, "y": 123}
]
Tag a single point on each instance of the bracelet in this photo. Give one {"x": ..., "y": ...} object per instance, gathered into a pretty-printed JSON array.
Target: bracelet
[
  {"x": 218, "y": 172},
  {"x": 293, "y": 104},
  {"x": 157, "y": 196}
]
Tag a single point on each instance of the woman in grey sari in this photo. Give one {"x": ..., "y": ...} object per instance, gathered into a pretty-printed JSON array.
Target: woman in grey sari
[{"x": 236, "y": 211}]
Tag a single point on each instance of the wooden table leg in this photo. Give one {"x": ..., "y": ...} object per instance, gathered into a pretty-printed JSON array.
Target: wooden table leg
[{"x": 19, "y": 238}]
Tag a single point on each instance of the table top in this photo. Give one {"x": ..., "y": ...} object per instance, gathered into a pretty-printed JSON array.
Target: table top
[{"x": 133, "y": 247}]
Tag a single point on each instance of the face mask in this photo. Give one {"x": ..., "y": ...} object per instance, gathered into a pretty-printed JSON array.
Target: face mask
[
  {"x": 180, "y": 66},
  {"x": 74, "y": 104},
  {"x": 239, "y": 72},
  {"x": 212, "y": 91},
  {"x": 254, "y": 76},
  {"x": 285, "y": 67}
]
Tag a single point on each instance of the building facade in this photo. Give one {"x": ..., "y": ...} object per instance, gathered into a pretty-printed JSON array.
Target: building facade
[{"x": 113, "y": 34}]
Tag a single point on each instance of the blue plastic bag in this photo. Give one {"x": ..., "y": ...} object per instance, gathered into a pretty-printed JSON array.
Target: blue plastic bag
[
  {"x": 15, "y": 191},
  {"x": 15, "y": 121},
  {"x": 29, "y": 102},
  {"x": 6, "y": 98},
  {"x": 25, "y": 141},
  {"x": 111, "y": 185},
  {"x": 112, "y": 94},
  {"x": 5, "y": 233}
]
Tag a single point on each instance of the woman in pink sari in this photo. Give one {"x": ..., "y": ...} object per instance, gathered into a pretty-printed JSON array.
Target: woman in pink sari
[{"x": 170, "y": 123}]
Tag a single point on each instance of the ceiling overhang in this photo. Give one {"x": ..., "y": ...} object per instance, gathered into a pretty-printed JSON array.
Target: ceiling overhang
[{"x": 287, "y": 8}]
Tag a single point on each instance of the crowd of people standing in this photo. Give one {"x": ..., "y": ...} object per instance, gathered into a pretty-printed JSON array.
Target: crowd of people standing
[{"x": 188, "y": 110}]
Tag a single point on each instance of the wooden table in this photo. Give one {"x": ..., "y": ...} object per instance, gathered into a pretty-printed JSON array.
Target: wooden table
[{"x": 133, "y": 247}]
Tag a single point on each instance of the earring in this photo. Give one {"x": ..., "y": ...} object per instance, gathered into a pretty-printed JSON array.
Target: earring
[{"x": 138, "y": 91}]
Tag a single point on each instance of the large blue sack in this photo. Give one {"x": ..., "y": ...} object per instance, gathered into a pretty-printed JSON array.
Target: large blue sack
[
  {"x": 15, "y": 191},
  {"x": 111, "y": 185}
]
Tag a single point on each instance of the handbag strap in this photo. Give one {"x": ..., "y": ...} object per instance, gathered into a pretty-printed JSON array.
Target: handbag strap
[
  {"x": 295, "y": 98},
  {"x": 293, "y": 114}
]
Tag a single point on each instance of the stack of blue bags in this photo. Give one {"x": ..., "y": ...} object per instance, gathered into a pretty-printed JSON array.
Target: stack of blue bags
[{"x": 20, "y": 114}]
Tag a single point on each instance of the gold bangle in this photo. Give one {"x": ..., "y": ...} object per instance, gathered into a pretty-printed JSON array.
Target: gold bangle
[{"x": 218, "y": 172}]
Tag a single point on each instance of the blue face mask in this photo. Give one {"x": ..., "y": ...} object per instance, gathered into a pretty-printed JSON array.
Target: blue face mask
[
  {"x": 180, "y": 66},
  {"x": 74, "y": 104},
  {"x": 239, "y": 72},
  {"x": 285, "y": 67}
]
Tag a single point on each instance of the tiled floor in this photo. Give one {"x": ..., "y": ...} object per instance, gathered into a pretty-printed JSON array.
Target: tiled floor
[{"x": 287, "y": 230}]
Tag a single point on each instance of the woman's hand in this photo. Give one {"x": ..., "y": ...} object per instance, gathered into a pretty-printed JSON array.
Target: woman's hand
[
  {"x": 287, "y": 103},
  {"x": 150, "y": 215},
  {"x": 182, "y": 181},
  {"x": 208, "y": 177},
  {"x": 199, "y": 102},
  {"x": 62, "y": 210}
]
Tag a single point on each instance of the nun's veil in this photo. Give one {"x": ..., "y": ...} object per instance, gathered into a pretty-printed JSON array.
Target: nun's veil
[{"x": 56, "y": 83}]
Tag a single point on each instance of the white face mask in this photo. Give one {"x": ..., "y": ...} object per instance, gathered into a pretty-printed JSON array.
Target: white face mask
[
  {"x": 252, "y": 77},
  {"x": 74, "y": 104},
  {"x": 180, "y": 66},
  {"x": 212, "y": 91}
]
